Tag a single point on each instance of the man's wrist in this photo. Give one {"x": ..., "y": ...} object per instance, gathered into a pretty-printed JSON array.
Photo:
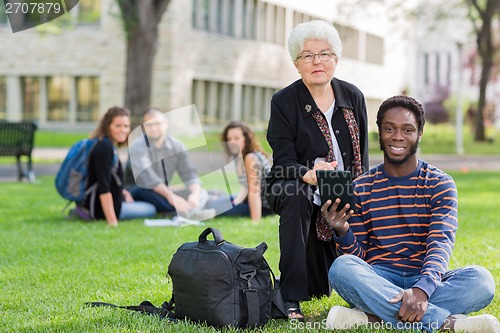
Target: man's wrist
[{"x": 342, "y": 231}]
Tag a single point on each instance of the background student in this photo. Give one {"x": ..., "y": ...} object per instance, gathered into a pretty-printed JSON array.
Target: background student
[
  {"x": 110, "y": 201},
  {"x": 156, "y": 163},
  {"x": 252, "y": 169}
]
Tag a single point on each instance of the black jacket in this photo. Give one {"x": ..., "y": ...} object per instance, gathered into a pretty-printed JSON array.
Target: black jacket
[{"x": 295, "y": 137}]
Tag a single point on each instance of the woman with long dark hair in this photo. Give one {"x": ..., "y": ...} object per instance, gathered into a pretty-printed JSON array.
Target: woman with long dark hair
[
  {"x": 252, "y": 166},
  {"x": 109, "y": 201}
]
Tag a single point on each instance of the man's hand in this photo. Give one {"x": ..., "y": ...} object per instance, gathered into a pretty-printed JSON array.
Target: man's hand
[
  {"x": 181, "y": 205},
  {"x": 413, "y": 304},
  {"x": 337, "y": 220},
  {"x": 193, "y": 200}
]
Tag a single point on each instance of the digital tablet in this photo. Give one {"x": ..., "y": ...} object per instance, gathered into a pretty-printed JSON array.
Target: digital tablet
[{"x": 333, "y": 184}]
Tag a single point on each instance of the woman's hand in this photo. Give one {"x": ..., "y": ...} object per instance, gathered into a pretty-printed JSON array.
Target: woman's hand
[
  {"x": 337, "y": 220},
  {"x": 310, "y": 176}
]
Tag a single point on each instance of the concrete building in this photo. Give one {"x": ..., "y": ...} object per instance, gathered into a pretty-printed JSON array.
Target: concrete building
[{"x": 227, "y": 57}]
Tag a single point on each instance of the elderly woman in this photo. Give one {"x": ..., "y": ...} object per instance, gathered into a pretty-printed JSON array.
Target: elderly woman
[{"x": 317, "y": 122}]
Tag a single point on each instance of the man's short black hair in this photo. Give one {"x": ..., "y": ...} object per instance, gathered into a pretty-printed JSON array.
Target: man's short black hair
[{"x": 405, "y": 102}]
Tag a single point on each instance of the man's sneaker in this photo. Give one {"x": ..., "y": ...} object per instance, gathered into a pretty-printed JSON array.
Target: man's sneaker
[
  {"x": 203, "y": 214},
  {"x": 340, "y": 317},
  {"x": 485, "y": 323}
]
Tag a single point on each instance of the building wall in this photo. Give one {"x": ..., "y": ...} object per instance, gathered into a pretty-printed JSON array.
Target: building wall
[
  {"x": 206, "y": 60},
  {"x": 95, "y": 50}
]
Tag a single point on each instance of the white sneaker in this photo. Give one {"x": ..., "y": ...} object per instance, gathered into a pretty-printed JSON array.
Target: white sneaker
[
  {"x": 341, "y": 317},
  {"x": 485, "y": 323}
]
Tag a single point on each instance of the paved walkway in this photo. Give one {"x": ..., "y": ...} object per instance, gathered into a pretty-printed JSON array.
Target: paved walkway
[{"x": 8, "y": 172}]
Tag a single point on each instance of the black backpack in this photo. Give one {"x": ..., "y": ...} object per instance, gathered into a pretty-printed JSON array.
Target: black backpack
[{"x": 219, "y": 283}]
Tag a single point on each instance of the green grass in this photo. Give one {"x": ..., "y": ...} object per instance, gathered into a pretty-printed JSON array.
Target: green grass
[
  {"x": 441, "y": 139},
  {"x": 50, "y": 266},
  {"x": 437, "y": 139},
  {"x": 45, "y": 138}
]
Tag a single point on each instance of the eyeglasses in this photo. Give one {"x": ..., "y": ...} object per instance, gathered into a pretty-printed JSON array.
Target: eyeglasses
[
  {"x": 323, "y": 56},
  {"x": 153, "y": 124}
]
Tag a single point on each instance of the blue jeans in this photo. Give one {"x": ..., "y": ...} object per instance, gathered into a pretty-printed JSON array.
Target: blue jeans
[
  {"x": 160, "y": 202},
  {"x": 369, "y": 288},
  {"x": 136, "y": 210},
  {"x": 223, "y": 207}
]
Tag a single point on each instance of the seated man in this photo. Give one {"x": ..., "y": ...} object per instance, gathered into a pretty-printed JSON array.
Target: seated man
[
  {"x": 155, "y": 159},
  {"x": 396, "y": 247}
]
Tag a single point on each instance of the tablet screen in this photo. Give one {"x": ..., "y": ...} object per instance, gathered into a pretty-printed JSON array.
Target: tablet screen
[{"x": 335, "y": 184}]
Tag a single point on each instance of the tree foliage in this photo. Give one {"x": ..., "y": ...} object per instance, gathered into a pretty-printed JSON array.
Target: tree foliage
[{"x": 482, "y": 15}]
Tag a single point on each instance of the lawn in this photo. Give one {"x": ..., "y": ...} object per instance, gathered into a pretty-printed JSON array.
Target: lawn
[
  {"x": 51, "y": 266},
  {"x": 437, "y": 139}
]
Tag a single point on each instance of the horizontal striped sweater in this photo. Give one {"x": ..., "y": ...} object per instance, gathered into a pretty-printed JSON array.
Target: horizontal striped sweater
[{"x": 407, "y": 223}]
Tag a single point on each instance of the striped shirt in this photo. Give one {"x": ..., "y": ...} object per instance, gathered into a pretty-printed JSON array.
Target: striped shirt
[{"x": 407, "y": 223}]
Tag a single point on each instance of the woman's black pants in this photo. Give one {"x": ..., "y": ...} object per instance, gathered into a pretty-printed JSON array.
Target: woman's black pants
[{"x": 304, "y": 260}]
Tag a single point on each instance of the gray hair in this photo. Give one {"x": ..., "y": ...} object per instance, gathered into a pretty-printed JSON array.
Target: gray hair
[{"x": 317, "y": 29}]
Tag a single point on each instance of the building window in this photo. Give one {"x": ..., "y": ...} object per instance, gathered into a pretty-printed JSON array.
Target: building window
[
  {"x": 58, "y": 95},
  {"x": 201, "y": 9},
  {"x": 299, "y": 17},
  {"x": 218, "y": 102},
  {"x": 438, "y": 67},
  {"x": 3, "y": 98},
  {"x": 247, "y": 19},
  {"x": 426, "y": 68},
  {"x": 374, "y": 49},
  {"x": 87, "y": 99},
  {"x": 213, "y": 101},
  {"x": 350, "y": 41},
  {"x": 30, "y": 98}
]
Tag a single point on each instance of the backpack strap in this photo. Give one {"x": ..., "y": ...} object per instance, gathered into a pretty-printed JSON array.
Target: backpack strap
[
  {"x": 92, "y": 190},
  {"x": 166, "y": 311},
  {"x": 252, "y": 299}
]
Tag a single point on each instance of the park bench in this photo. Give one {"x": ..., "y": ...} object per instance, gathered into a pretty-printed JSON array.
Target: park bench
[{"x": 16, "y": 140}]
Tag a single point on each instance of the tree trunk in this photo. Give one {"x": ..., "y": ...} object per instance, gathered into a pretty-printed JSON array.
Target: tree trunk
[
  {"x": 140, "y": 19},
  {"x": 486, "y": 52},
  {"x": 141, "y": 50}
]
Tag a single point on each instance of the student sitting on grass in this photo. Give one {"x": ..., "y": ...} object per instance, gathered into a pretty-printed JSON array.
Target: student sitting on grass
[
  {"x": 396, "y": 247},
  {"x": 156, "y": 157},
  {"x": 252, "y": 169},
  {"x": 111, "y": 202}
]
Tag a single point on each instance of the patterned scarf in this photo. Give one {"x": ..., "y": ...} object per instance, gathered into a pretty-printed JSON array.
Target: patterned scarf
[{"x": 323, "y": 230}]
